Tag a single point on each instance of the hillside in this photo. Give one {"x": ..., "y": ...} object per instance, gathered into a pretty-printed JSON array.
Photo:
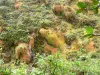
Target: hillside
[{"x": 49, "y": 37}]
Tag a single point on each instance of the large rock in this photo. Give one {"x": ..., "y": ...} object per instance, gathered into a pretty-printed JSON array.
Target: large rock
[
  {"x": 50, "y": 49},
  {"x": 52, "y": 37},
  {"x": 56, "y": 40},
  {"x": 23, "y": 53}
]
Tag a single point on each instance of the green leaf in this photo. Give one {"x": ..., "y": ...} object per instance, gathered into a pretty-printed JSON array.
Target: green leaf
[
  {"x": 93, "y": 7},
  {"x": 82, "y": 5},
  {"x": 78, "y": 11},
  {"x": 96, "y": 10},
  {"x": 95, "y": 2},
  {"x": 88, "y": 35},
  {"x": 89, "y": 30}
]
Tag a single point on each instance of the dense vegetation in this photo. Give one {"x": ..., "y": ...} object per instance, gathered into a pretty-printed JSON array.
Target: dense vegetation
[{"x": 49, "y": 37}]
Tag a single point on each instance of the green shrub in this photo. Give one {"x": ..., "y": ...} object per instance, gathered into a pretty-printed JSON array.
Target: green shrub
[
  {"x": 5, "y": 71},
  {"x": 85, "y": 6}
]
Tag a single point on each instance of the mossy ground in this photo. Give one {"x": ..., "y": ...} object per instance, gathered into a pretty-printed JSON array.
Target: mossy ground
[{"x": 17, "y": 25}]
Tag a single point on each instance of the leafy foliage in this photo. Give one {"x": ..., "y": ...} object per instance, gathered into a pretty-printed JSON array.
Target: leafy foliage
[
  {"x": 89, "y": 31},
  {"x": 55, "y": 65},
  {"x": 91, "y": 5},
  {"x": 5, "y": 71},
  {"x": 82, "y": 5},
  {"x": 20, "y": 22},
  {"x": 17, "y": 25}
]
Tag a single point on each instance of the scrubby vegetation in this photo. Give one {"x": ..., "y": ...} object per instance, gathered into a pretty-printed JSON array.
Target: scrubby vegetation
[{"x": 49, "y": 37}]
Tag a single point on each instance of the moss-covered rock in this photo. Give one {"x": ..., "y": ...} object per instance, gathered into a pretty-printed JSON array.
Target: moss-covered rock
[{"x": 23, "y": 53}]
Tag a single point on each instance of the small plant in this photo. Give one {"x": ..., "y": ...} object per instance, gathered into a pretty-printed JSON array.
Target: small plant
[
  {"x": 5, "y": 71},
  {"x": 90, "y": 32},
  {"x": 92, "y": 5},
  {"x": 53, "y": 65},
  {"x": 22, "y": 70}
]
